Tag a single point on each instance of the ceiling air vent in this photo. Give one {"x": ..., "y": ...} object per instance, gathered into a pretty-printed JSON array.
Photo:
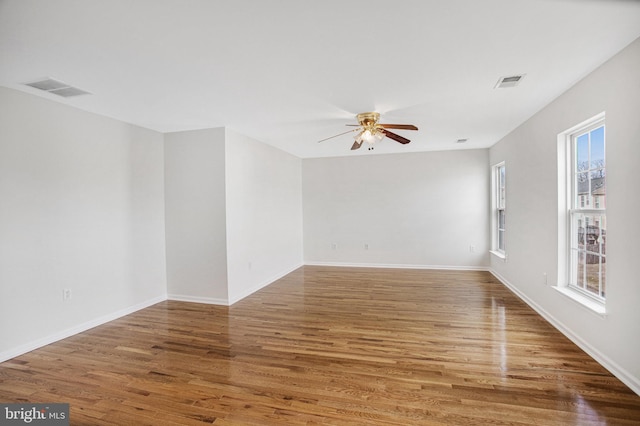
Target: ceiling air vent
[
  {"x": 57, "y": 88},
  {"x": 510, "y": 81},
  {"x": 462, "y": 140}
]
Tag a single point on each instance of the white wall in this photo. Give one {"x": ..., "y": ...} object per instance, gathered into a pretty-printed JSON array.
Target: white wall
[
  {"x": 264, "y": 214},
  {"x": 196, "y": 215},
  {"x": 418, "y": 209},
  {"x": 532, "y": 216},
  {"x": 81, "y": 207}
]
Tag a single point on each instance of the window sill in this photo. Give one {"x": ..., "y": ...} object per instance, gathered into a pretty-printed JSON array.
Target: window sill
[
  {"x": 499, "y": 255},
  {"x": 593, "y": 305}
]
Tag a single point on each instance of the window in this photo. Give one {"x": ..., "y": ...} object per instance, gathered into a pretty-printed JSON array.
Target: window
[
  {"x": 587, "y": 218},
  {"x": 499, "y": 211},
  {"x": 582, "y": 222}
]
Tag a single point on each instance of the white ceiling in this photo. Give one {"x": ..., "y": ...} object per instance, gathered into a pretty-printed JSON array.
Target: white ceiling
[{"x": 292, "y": 72}]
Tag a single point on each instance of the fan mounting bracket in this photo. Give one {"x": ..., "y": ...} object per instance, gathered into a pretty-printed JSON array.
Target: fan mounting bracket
[{"x": 368, "y": 118}]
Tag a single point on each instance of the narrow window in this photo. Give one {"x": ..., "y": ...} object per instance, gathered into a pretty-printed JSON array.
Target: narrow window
[
  {"x": 499, "y": 208},
  {"x": 586, "y": 214}
]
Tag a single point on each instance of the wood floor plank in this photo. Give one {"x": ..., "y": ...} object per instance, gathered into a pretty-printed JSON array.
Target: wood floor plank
[{"x": 325, "y": 345}]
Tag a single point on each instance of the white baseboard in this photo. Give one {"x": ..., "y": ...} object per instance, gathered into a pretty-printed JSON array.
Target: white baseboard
[
  {"x": 397, "y": 266},
  {"x": 198, "y": 299},
  {"x": 28, "y": 347},
  {"x": 615, "y": 369},
  {"x": 250, "y": 291}
]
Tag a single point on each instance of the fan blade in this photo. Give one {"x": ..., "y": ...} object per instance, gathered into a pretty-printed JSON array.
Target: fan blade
[
  {"x": 356, "y": 145},
  {"x": 399, "y": 126},
  {"x": 335, "y": 136},
  {"x": 395, "y": 137}
]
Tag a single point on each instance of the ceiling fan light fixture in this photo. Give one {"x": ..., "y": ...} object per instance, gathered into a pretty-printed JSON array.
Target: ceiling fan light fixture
[
  {"x": 368, "y": 137},
  {"x": 371, "y": 131}
]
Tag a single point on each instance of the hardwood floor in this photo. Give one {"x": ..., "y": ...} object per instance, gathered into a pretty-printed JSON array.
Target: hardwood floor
[{"x": 326, "y": 345}]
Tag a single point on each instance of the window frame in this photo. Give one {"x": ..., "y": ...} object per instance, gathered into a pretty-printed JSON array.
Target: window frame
[
  {"x": 498, "y": 206},
  {"x": 569, "y": 205},
  {"x": 577, "y": 208}
]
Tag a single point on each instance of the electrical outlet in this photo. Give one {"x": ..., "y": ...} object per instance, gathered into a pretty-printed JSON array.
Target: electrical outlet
[
  {"x": 334, "y": 246},
  {"x": 366, "y": 246},
  {"x": 66, "y": 294},
  {"x": 472, "y": 249}
]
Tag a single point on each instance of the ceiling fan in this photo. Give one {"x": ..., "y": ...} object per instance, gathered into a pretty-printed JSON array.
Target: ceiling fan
[{"x": 370, "y": 131}]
